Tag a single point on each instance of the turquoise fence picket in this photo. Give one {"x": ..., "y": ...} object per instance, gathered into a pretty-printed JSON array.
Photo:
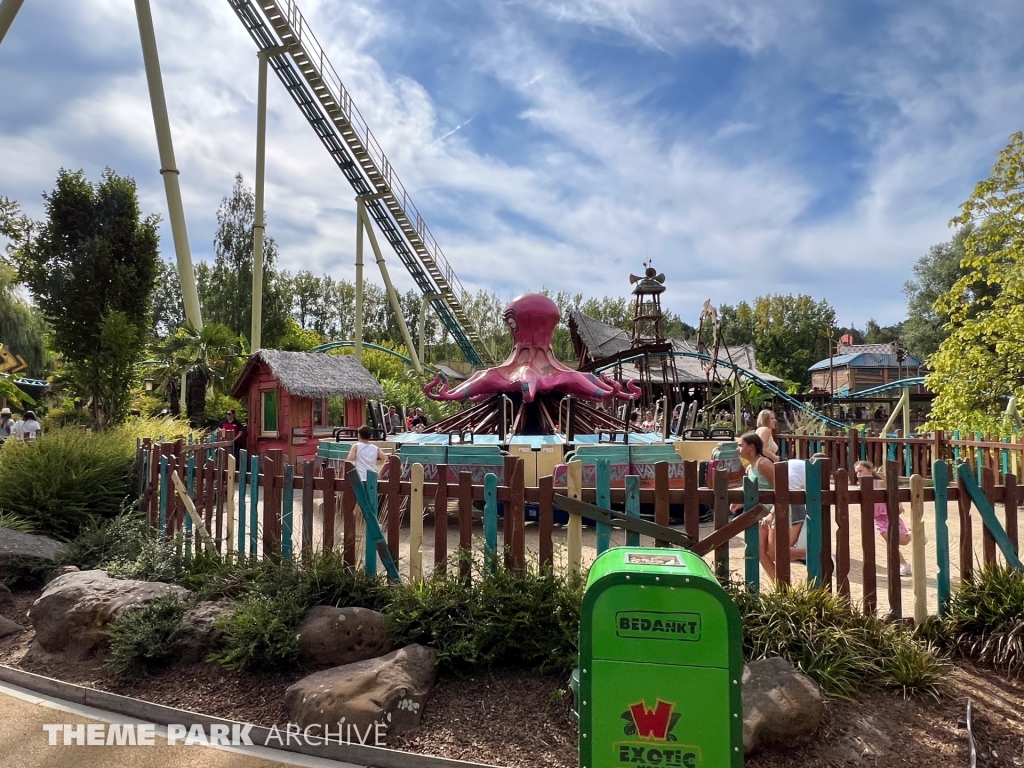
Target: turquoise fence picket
[
  {"x": 603, "y": 472},
  {"x": 491, "y": 521},
  {"x": 988, "y": 517},
  {"x": 632, "y": 507},
  {"x": 288, "y": 498},
  {"x": 752, "y": 550},
  {"x": 940, "y": 477},
  {"x": 812, "y": 490},
  {"x": 367, "y": 503},
  {"x": 371, "y": 552}
]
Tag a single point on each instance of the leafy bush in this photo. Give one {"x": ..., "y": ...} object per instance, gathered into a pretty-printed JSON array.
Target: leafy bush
[
  {"x": 503, "y": 619},
  {"x": 842, "y": 649},
  {"x": 260, "y": 635},
  {"x": 14, "y": 522},
  {"x": 985, "y": 620},
  {"x": 57, "y": 418},
  {"x": 143, "y": 639},
  {"x": 72, "y": 476}
]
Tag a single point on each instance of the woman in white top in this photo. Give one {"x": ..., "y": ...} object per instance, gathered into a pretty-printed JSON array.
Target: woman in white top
[
  {"x": 766, "y": 425},
  {"x": 27, "y": 428},
  {"x": 365, "y": 455}
]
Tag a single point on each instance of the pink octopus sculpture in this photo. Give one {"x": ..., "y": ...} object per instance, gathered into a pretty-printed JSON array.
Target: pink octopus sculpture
[{"x": 531, "y": 368}]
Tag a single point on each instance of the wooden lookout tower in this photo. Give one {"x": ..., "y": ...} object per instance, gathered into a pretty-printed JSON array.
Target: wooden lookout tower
[{"x": 654, "y": 359}]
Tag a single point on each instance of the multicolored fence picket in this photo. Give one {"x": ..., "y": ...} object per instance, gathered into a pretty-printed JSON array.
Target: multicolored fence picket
[{"x": 249, "y": 506}]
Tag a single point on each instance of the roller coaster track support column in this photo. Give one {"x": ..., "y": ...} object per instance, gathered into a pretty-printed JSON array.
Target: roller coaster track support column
[
  {"x": 902, "y": 405},
  {"x": 168, "y": 168},
  {"x": 396, "y": 305},
  {"x": 259, "y": 227},
  {"x": 737, "y": 404},
  {"x": 357, "y": 323},
  {"x": 8, "y": 10}
]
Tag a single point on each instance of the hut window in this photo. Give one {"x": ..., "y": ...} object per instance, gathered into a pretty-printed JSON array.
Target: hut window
[
  {"x": 319, "y": 407},
  {"x": 269, "y": 424}
]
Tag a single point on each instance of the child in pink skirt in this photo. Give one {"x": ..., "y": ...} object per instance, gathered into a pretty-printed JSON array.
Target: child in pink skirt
[{"x": 867, "y": 469}]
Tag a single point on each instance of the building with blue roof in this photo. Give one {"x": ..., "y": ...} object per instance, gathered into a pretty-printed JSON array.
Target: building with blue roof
[{"x": 857, "y": 367}]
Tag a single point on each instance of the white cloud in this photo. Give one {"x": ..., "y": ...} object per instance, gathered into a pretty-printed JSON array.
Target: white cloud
[{"x": 599, "y": 178}]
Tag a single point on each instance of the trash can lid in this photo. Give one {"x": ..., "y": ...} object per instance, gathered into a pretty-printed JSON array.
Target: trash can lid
[{"x": 658, "y": 560}]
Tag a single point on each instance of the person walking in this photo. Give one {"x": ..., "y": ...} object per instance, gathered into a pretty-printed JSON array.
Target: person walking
[
  {"x": 365, "y": 455},
  {"x": 767, "y": 423},
  {"x": 865, "y": 469},
  {"x": 27, "y": 428},
  {"x": 233, "y": 431},
  {"x": 6, "y": 424}
]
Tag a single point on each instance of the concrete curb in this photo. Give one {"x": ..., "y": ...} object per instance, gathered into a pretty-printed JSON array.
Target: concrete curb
[{"x": 372, "y": 757}]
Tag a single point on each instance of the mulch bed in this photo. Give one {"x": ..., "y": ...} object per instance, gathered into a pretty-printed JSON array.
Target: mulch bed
[{"x": 522, "y": 720}]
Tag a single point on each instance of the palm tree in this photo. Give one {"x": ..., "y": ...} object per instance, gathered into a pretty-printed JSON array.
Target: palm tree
[{"x": 206, "y": 359}]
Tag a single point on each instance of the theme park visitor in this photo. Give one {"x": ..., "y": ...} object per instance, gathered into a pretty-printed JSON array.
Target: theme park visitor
[
  {"x": 418, "y": 420},
  {"x": 6, "y": 424},
  {"x": 797, "y": 519},
  {"x": 233, "y": 431},
  {"x": 867, "y": 469},
  {"x": 365, "y": 455},
  {"x": 649, "y": 424},
  {"x": 394, "y": 422},
  {"x": 766, "y": 426},
  {"x": 27, "y": 428}
]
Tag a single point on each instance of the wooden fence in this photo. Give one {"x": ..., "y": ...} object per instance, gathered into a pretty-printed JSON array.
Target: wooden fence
[
  {"x": 914, "y": 455},
  {"x": 267, "y": 508}
]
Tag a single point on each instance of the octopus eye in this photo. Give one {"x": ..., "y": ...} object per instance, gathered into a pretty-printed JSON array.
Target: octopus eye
[{"x": 510, "y": 321}]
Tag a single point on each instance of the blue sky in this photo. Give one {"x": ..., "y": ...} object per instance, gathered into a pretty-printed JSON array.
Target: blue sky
[{"x": 748, "y": 146}]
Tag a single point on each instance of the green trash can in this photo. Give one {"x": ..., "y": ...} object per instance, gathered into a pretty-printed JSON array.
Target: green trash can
[{"x": 661, "y": 660}]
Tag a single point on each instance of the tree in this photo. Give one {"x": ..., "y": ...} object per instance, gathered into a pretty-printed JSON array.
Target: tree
[
  {"x": 786, "y": 331},
  {"x": 168, "y": 309},
  {"x": 935, "y": 274},
  {"x": 91, "y": 271},
  {"x": 16, "y": 227},
  {"x": 226, "y": 288},
  {"x": 22, "y": 327},
  {"x": 981, "y": 363},
  {"x": 881, "y": 334},
  {"x": 206, "y": 358}
]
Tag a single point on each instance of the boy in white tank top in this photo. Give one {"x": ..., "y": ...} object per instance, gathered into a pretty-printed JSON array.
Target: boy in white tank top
[{"x": 365, "y": 455}]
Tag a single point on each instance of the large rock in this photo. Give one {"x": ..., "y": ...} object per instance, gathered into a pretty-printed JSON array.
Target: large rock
[
  {"x": 6, "y": 600},
  {"x": 391, "y": 690},
  {"x": 72, "y": 614},
  {"x": 781, "y": 705},
  {"x": 198, "y": 636},
  {"x": 335, "y": 636},
  {"x": 8, "y": 627},
  {"x": 17, "y": 544}
]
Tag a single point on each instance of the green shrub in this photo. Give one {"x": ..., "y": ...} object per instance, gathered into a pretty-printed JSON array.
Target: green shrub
[
  {"x": 71, "y": 476},
  {"x": 143, "y": 639},
  {"x": 101, "y": 540},
  {"x": 501, "y": 620},
  {"x": 14, "y": 522},
  {"x": 261, "y": 635},
  {"x": 834, "y": 643},
  {"x": 985, "y": 620},
  {"x": 58, "y": 418},
  {"x": 65, "y": 479}
]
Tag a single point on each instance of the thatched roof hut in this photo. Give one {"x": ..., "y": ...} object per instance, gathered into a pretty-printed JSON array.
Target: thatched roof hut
[
  {"x": 312, "y": 374},
  {"x": 286, "y": 397}
]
